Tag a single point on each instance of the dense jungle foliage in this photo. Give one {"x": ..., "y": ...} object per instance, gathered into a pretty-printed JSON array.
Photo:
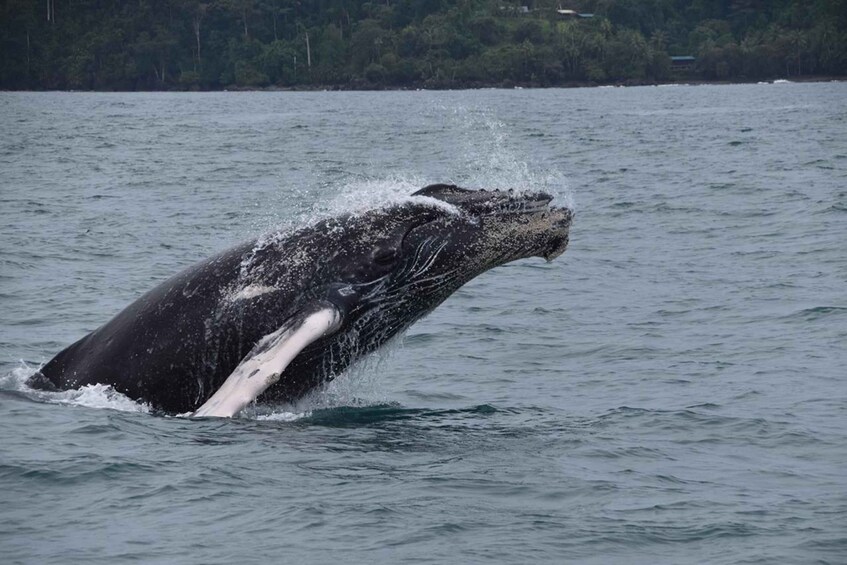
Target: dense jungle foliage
[{"x": 213, "y": 44}]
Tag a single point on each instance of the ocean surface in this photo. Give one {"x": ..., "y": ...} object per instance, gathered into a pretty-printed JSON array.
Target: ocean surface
[{"x": 673, "y": 389}]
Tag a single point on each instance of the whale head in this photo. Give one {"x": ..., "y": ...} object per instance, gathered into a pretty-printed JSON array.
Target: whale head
[
  {"x": 396, "y": 264},
  {"x": 501, "y": 226},
  {"x": 383, "y": 269}
]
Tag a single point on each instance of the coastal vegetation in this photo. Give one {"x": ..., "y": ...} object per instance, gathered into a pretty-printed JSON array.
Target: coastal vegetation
[{"x": 216, "y": 44}]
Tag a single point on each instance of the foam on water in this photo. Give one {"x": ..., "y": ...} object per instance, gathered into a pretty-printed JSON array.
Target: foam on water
[
  {"x": 99, "y": 396},
  {"x": 89, "y": 396},
  {"x": 358, "y": 387},
  {"x": 282, "y": 416}
]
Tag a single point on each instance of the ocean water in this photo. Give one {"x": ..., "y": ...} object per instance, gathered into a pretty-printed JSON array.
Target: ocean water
[{"x": 671, "y": 390}]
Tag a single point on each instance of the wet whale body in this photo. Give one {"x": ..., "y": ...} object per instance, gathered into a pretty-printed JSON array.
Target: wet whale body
[{"x": 274, "y": 318}]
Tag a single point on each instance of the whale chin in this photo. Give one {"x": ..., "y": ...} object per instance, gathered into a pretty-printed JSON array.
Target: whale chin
[
  {"x": 559, "y": 233},
  {"x": 557, "y": 247}
]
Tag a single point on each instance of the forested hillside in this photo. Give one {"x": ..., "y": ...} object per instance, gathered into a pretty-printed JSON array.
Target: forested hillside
[{"x": 214, "y": 44}]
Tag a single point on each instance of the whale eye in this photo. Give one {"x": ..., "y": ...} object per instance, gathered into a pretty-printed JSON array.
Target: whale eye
[{"x": 385, "y": 256}]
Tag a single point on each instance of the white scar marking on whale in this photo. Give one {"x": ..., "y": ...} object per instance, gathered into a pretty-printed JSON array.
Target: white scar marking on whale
[{"x": 252, "y": 291}]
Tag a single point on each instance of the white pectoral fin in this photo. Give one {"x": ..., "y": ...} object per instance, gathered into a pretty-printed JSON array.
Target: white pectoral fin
[{"x": 268, "y": 359}]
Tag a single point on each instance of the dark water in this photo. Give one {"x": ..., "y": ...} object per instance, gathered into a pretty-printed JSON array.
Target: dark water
[{"x": 671, "y": 390}]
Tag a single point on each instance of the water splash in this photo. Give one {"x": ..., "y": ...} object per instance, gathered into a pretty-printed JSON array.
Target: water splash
[
  {"x": 99, "y": 396},
  {"x": 483, "y": 154},
  {"x": 360, "y": 386},
  {"x": 282, "y": 416},
  {"x": 89, "y": 396},
  {"x": 488, "y": 157}
]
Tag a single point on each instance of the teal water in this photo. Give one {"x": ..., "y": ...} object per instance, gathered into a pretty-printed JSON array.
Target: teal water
[{"x": 671, "y": 390}]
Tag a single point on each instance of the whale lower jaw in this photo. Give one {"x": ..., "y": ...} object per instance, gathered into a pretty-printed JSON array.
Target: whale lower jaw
[
  {"x": 557, "y": 247},
  {"x": 561, "y": 225}
]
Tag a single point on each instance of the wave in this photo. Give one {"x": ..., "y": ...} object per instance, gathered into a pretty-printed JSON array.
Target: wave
[{"x": 817, "y": 313}]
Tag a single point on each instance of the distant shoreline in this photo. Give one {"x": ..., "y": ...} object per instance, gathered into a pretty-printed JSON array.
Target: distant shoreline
[
  {"x": 508, "y": 85},
  {"x": 504, "y": 85}
]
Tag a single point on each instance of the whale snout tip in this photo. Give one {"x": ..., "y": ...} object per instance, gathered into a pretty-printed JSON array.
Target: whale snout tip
[
  {"x": 559, "y": 232},
  {"x": 560, "y": 217},
  {"x": 565, "y": 217}
]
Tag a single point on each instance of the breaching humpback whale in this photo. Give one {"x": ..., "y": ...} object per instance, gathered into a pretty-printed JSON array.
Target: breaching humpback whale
[{"x": 273, "y": 318}]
